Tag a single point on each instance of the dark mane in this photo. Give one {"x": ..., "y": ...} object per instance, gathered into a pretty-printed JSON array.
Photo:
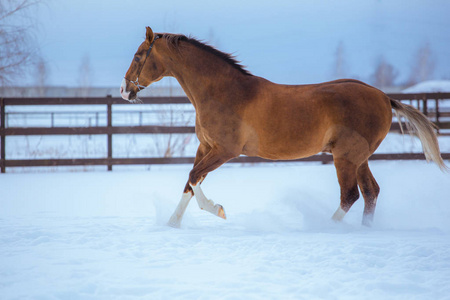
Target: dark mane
[{"x": 174, "y": 39}]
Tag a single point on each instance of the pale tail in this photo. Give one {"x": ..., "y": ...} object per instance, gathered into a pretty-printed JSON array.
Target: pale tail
[{"x": 419, "y": 125}]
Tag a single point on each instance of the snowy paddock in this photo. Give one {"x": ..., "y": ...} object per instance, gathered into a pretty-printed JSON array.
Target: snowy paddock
[{"x": 103, "y": 235}]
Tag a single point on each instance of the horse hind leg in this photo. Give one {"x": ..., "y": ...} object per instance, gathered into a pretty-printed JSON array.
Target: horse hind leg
[
  {"x": 346, "y": 173},
  {"x": 370, "y": 190}
]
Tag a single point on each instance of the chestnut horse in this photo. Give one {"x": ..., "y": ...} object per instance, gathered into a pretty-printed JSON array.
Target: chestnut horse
[{"x": 238, "y": 113}]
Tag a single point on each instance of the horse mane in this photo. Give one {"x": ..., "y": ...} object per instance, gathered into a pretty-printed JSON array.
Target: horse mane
[{"x": 174, "y": 39}]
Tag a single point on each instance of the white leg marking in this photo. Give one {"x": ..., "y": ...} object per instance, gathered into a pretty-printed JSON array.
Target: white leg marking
[
  {"x": 175, "y": 219},
  {"x": 206, "y": 204},
  {"x": 367, "y": 220},
  {"x": 339, "y": 214},
  {"x": 368, "y": 217}
]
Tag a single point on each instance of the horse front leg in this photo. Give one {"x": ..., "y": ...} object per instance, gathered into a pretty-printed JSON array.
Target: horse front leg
[
  {"x": 188, "y": 193},
  {"x": 207, "y": 204},
  {"x": 175, "y": 219},
  {"x": 177, "y": 216},
  {"x": 214, "y": 159}
]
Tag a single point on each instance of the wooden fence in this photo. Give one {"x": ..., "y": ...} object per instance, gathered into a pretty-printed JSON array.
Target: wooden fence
[{"x": 423, "y": 101}]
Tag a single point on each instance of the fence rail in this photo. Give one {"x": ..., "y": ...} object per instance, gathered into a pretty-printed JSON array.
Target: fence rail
[{"x": 428, "y": 103}]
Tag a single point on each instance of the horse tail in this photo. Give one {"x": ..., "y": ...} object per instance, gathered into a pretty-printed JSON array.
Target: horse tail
[{"x": 419, "y": 125}]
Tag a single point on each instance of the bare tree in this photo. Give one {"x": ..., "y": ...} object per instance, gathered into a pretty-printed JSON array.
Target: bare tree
[
  {"x": 16, "y": 47},
  {"x": 41, "y": 74},
  {"x": 423, "y": 65},
  {"x": 85, "y": 76},
  {"x": 339, "y": 66},
  {"x": 170, "y": 145},
  {"x": 384, "y": 74}
]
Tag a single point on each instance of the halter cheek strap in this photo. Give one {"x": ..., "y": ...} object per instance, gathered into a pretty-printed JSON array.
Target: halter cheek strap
[{"x": 136, "y": 82}]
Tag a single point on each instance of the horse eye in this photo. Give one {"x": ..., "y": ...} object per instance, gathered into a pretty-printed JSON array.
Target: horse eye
[{"x": 137, "y": 58}]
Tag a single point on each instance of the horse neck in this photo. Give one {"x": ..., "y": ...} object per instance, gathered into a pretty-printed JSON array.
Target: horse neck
[{"x": 203, "y": 75}]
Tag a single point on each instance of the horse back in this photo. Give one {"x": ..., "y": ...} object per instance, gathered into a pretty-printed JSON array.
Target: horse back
[{"x": 289, "y": 121}]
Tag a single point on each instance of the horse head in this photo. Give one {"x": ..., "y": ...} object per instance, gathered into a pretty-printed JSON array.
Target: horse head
[{"x": 146, "y": 68}]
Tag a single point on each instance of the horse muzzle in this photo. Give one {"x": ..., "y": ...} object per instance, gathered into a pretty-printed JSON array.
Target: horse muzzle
[{"x": 123, "y": 90}]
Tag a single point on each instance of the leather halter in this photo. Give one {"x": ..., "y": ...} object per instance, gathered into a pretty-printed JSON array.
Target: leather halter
[{"x": 136, "y": 82}]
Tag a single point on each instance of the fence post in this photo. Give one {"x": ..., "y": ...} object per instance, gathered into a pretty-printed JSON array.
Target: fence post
[
  {"x": 425, "y": 105},
  {"x": 3, "y": 138},
  {"x": 437, "y": 115},
  {"x": 109, "y": 125}
]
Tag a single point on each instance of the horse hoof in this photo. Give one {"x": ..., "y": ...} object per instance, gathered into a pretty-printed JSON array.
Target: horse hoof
[
  {"x": 367, "y": 220},
  {"x": 221, "y": 212}
]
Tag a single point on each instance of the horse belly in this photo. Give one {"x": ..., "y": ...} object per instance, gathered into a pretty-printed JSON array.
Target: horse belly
[
  {"x": 291, "y": 137},
  {"x": 291, "y": 147}
]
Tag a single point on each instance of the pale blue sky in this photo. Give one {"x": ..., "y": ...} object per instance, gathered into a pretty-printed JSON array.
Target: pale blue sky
[{"x": 283, "y": 41}]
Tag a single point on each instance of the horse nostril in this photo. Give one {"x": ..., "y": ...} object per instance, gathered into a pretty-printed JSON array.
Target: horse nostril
[{"x": 121, "y": 89}]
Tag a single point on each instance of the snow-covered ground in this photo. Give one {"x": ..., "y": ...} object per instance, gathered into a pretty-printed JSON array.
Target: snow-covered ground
[{"x": 102, "y": 235}]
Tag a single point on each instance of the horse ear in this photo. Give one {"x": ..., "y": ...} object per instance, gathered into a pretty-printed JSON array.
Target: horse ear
[{"x": 149, "y": 34}]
